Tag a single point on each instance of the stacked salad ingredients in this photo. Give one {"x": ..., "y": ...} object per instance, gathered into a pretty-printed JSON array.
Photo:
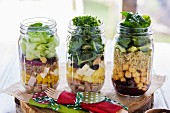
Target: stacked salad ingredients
[
  {"x": 38, "y": 59},
  {"x": 85, "y": 65},
  {"x": 133, "y": 55}
]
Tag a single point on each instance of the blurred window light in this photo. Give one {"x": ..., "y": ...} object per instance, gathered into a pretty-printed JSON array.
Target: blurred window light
[
  {"x": 12, "y": 12},
  {"x": 159, "y": 12}
]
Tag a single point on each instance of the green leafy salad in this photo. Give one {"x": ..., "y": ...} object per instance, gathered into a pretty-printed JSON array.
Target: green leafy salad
[
  {"x": 135, "y": 37},
  {"x": 135, "y": 20},
  {"x": 85, "y": 43},
  {"x": 39, "y": 42}
]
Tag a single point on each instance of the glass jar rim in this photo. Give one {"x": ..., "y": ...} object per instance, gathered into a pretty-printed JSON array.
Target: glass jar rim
[
  {"x": 51, "y": 23},
  {"x": 134, "y": 31},
  {"x": 118, "y": 25}
]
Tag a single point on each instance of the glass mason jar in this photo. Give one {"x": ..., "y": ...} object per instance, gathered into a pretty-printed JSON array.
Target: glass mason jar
[
  {"x": 85, "y": 58},
  {"x": 37, "y": 54},
  {"x": 133, "y": 56}
]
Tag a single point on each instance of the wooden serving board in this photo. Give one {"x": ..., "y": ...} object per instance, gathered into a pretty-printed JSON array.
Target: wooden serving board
[
  {"x": 135, "y": 105},
  {"x": 22, "y": 107}
]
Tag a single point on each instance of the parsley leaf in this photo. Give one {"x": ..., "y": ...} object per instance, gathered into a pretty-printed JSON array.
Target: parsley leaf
[{"x": 86, "y": 21}]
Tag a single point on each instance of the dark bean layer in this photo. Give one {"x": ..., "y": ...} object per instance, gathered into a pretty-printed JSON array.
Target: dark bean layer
[{"x": 37, "y": 67}]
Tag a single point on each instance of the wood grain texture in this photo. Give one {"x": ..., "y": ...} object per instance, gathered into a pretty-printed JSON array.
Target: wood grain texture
[
  {"x": 25, "y": 108},
  {"x": 136, "y": 105}
]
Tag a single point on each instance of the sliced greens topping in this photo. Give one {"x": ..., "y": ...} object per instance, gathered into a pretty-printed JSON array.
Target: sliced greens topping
[
  {"x": 86, "y": 21},
  {"x": 39, "y": 44},
  {"x": 135, "y": 20},
  {"x": 36, "y": 25},
  {"x": 85, "y": 44},
  {"x": 131, "y": 40},
  {"x": 124, "y": 41}
]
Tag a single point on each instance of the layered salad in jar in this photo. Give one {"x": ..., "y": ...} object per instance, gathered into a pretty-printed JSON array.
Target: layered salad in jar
[
  {"x": 38, "y": 58},
  {"x": 85, "y": 63},
  {"x": 133, "y": 54}
]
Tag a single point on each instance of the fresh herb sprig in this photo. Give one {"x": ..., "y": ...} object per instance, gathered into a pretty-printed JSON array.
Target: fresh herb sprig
[
  {"x": 86, "y": 21},
  {"x": 85, "y": 44}
]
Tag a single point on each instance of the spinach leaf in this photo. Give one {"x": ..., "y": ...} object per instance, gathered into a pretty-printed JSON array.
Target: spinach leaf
[
  {"x": 135, "y": 20},
  {"x": 36, "y": 25},
  {"x": 134, "y": 39},
  {"x": 140, "y": 40},
  {"x": 123, "y": 41}
]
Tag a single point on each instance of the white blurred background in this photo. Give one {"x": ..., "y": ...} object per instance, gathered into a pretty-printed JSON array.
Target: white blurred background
[{"x": 12, "y": 12}]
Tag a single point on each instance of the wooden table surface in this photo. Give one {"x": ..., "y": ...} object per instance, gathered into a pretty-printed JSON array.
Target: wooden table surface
[{"x": 9, "y": 73}]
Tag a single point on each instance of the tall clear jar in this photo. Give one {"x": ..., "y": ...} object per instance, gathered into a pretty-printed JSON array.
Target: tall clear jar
[
  {"x": 37, "y": 54},
  {"x": 133, "y": 56},
  {"x": 85, "y": 58}
]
